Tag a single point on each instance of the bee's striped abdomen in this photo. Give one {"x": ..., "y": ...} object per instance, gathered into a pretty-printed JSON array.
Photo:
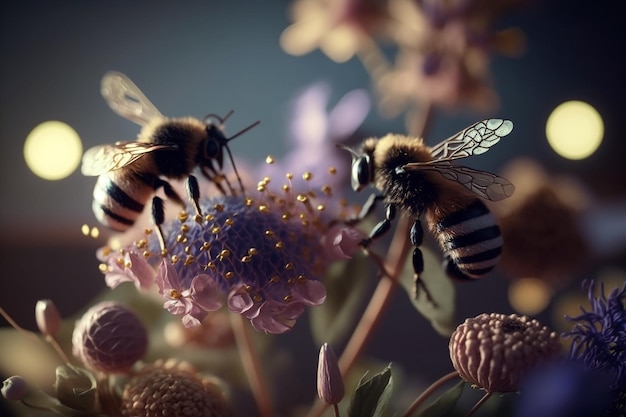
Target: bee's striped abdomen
[
  {"x": 471, "y": 238},
  {"x": 117, "y": 202}
]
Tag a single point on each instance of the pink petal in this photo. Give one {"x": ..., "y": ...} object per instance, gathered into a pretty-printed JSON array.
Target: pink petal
[
  {"x": 205, "y": 293},
  {"x": 312, "y": 293},
  {"x": 239, "y": 301},
  {"x": 141, "y": 270},
  {"x": 167, "y": 278}
]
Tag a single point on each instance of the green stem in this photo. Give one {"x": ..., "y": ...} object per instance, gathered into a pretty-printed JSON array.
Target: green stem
[{"x": 429, "y": 391}]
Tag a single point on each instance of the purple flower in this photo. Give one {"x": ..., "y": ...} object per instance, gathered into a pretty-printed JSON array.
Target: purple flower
[
  {"x": 330, "y": 387},
  {"x": 599, "y": 340},
  {"x": 126, "y": 266},
  {"x": 109, "y": 338}
]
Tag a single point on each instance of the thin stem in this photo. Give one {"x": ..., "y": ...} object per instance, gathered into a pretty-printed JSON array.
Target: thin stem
[
  {"x": 336, "y": 410},
  {"x": 51, "y": 340},
  {"x": 251, "y": 365},
  {"x": 429, "y": 391},
  {"x": 480, "y": 402}
]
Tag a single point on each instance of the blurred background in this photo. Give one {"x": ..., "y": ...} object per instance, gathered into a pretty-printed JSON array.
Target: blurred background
[{"x": 200, "y": 57}]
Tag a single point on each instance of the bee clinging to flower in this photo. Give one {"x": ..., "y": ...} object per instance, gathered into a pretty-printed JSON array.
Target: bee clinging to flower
[
  {"x": 131, "y": 172},
  {"x": 422, "y": 181}
]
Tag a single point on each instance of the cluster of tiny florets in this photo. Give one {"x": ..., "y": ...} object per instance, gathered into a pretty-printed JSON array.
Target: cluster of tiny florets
[
  {"x": 262, "y": 255},
  {"x": 495, "y": 351}
]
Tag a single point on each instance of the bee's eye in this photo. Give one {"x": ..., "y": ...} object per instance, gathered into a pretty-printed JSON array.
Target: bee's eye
[
  {"x": 211, "y": 148},
  {"x": 361, "y": 172}
]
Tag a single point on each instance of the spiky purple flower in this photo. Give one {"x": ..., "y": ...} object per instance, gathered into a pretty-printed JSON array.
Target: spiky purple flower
[{"x": 599, "y": 339}]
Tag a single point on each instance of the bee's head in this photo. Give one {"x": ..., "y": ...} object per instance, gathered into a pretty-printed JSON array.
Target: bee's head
[{"x": 362, "y": 169}]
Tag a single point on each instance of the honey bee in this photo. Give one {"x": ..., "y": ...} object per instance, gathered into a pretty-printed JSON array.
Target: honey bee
[
  {"x": 422, "y": 181},
  {"x": 131, "y": 172}
]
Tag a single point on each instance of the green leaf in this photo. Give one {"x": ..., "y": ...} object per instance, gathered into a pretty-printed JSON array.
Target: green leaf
[
  {"x": 346, "y": 285},
  {"x": 371, "y": 397},
  {"x": 438, "y": 302},
  {"x": 443, "y": 405}
]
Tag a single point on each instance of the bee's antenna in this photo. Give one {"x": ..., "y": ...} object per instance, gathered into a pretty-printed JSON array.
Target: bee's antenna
[
  {"x": 244, "y": 130},
  {"x": 345, "y": 148}
]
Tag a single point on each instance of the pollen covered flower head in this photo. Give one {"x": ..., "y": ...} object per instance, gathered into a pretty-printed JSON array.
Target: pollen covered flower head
[{"x": 262, "y": 255}]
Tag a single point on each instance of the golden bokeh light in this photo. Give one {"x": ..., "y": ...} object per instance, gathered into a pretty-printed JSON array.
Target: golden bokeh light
[
  {"x": 53, "y": 150},
  {"x": 574, "y": 129},
  {"x": 529, "y": 295}
]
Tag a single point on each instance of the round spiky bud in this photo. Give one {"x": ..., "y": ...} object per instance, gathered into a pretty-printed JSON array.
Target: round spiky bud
[
  {"x": 109, "y": 337},
  {"x": 495, "y": 351},
  {"x": 171, "y": 389}
]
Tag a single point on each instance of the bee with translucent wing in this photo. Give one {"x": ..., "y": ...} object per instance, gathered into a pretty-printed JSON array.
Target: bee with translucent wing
[
  {"x": 129, "y": 173},
  {"x": 421, "y": 181}
]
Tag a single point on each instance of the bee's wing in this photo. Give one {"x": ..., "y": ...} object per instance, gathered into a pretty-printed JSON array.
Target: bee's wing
[
  {"x": 105, "y": 158},
  {"x": 126, "y": 99},
  {"x": 485, "y": 184},
  {"x": 473, "y": 140}
]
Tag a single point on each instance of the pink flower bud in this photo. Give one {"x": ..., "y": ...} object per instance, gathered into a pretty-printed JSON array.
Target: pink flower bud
[
  {"x": 329, "y": 382},
  {"x": 47, "y": 317},
  {"x": 109, "y": 338}
]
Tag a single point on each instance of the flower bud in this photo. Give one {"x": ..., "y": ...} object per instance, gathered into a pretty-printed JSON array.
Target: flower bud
[
  {"x": 109, "y": 338},
  {"x": 14, "y": 388},
  {"x": 329, "y": 382},
  {"x": 495, "y": 351},
  {"x": 75, "y": 387},
  {"x": 47, "y": 317}
]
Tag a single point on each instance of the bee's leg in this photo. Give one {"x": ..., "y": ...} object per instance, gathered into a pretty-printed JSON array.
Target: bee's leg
[
  {"x": 416, "y": 236},
  {"x": 382, "y": 227},
  {"x": 210, "y": 174},
  {"x": 170, "y": 192},
  {"x": 158, "y": 217},
  {"x": 193, "y": 191},
  {"x": 367, "y": 208}
]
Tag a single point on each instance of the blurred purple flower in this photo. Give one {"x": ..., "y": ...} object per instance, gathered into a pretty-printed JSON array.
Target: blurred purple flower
[
  {"x": 599, "y": 340},
  {"x": 314, "y": 131}
]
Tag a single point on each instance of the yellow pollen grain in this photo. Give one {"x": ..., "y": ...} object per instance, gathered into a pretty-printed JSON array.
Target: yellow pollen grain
[
  {"x": 274, "y": 279},
  {"x": 269, "y": 159},
  {"x": 225, "y": 253},
  {"x": 286, "y": 216},
  {"x": 209, "y": 217},
  {"x": 147, "y": 254},
  {"x": 260, "y": 188},
  {"x": 147, "y": 231},
  {"x": 320, "y": 207},
  {"x": 269, "y": 233},
  {"x": 229, "y": 274},
  {"x": 205, "y": 246},
  {"x": 219, "y": 208},
  {"x": 302, "y": 216},
  {"x": 180, "y": 238},
  {"x": 229, "y": 221},
  {"x": 189, "y": 260},
  {"x": 307, "y": 176},
  {"x": 246, "y": 258},
  {"x": 119, "y": 261},
  {"x": 286, "y": 188},
  {"x": 164, "y": 252},
  {"x": 175, "y": 294},
  {"x": 289, "y": 176},
  {"x": 302, "y": 198},
  {"x": 211, "y": 265},
  {"x": 216, "y": 229},
  {"x": 141, "y": 243},
  {"x": 279, "y": 245},
  {"x": 95, "y": 232},
  {"x": 289, "y": 265},
  {"x": 332, "y": 170},
  {"x": 252, "y": 251},
  {"x": 263, "y": 208},
  {"x": 106, "y": 251},
  {"x": 103, "y": 268},
  {"x": 198, "y": 218},
  {"x": 184, "y": 228},
  {"x": 301, "y": 279},
  {"x": 257, "y": 298},
  {"x": 327, "y": 190},
  {"x": 84, "y": 229},
  {"x": 267, "y": 180},
  {"x": 288, "y": 298},
  {"x": 187, "y": 249},
  {"x": 174, "y": 259},
  {"x": 247, "y": 288},
  {"x": 182, "y": 216}
]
